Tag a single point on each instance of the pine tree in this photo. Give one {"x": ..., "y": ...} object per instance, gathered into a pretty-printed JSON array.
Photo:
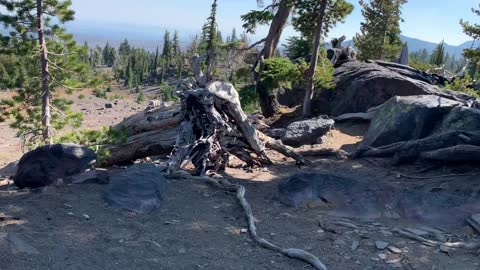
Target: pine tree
[
  {"x": 49, "y": 58},
  {"x": 176, "y": 45},
  {"x": 438, "y": 55},
  {"x": 233, "y": 37},
  {"x": 379, "y": 37},
  {"x": 472, "y": 30},
  {"x": 167, "y": 47}
]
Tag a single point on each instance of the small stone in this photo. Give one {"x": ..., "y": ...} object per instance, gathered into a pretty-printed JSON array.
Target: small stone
[
  {"x": 381, "y": 245},
  {"x": 394, "y": 261},
  {"x": 339, "y": 242},
  {"x": 243, "y": 230},
  {"x": 394, "y": 249},
  {"x": 355, "y": 245},
  {"x": 59, "y": 182},
  {"x": 382, "y": 256},
  {"x": 70, "y": 213},
  {"x": 109, "y": 105},
  {"x": 87, "y": 217},
  {"x": 67, "y": 206}
]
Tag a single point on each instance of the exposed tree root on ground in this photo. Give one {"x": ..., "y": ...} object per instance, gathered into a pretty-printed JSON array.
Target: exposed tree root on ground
[{"x": 224, "y": 184}]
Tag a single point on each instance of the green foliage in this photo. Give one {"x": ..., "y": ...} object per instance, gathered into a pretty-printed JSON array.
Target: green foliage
[
  {"x": 141, "y": 97},
  {"x": 20, "y": 59},
  {"x": 249, "y": 99},
  {"x": 256, "y": 17},
  {"x": 462, "y": 85},
  {"x": 99, "y": 93},
  {"x": 279, "y": 73},
  {"x": 379, "y": 37},
  {"x": 98, "y": 140},
  {"x": 323, "y": 78},
  {"x": 81, "y": 96},
  {"x": 297, "y": 47},
  {"x": 167, "y": 92},
  {"x": 472, "y": 30},
  {"x": 306, "y": 15},
  {"x": 419, "y": 64},
  {"x": 438, "y": 55}
]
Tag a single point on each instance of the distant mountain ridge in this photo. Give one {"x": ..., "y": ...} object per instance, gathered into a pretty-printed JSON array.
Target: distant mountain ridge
[{"x": 415, "y": 45}]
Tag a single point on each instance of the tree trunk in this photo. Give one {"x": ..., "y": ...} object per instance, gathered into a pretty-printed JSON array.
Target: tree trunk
[
  {"x": 307, "y": 103},
  {"x": 46, "y": 94},
  {"x": 268, "y": 101}
]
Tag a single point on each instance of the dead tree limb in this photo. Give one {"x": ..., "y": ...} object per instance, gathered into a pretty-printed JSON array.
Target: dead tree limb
[
  {"x": 409, "y": 151},
  {"x": 224, "y": 184},
  {"x": 454, "y": 153}
]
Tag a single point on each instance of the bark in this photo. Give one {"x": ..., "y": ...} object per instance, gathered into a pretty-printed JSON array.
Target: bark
[
  {"x": 150, "y": 120},
  {"x": 151, "y": 143},
  {"x": 46, "y": 94},
  {"x": 307, "y": 103},
  {"x": 458, "y": 153},
  {"x": 268, "y": 100},
  {"x": 409, "y": 151}
]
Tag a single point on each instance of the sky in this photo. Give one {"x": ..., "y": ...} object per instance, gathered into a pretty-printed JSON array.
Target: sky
[{"x": 430, "y": 20}]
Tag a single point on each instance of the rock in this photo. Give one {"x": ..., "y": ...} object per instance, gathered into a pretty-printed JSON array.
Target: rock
[
  {"x": 96, "y": 176},
  {"x": 20, "y": 246},
  {"x": 243, "y": 230},
  {"x": 276, "y": 133},
  {"x": 460, "y": 118},
  {"x": 360, "y": 86},
  {"x": 406, "y": 118},
  {"x": 109, "y": 105},
  {"x": 44, "y": 165},
  {"x": 382, "y": 256},
  {"x": 355, "y": 245},
  {"x": 139, "y": 188},
  {"x": 307, "y": 131},
  {"x": 381, "y": 245},
  {"x": 394, "y": 249},
  {"x": 474, "y": 221}
]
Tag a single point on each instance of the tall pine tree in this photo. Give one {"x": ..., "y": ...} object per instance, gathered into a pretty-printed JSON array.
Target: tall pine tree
[
  {"x": 50, "y": 58},
  {"x": 380, "y": 32}
]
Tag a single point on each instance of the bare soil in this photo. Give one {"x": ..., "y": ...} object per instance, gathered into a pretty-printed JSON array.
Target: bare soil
[{"x": 200, "y": 227}]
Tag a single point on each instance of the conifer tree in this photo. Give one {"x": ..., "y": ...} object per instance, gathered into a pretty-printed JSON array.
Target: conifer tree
[
  {"x": 167, "y": 47},
  {"x": 379, "y": 37},
  {"x": 472, "y": 30},
  {"x": 176, "y": 45},
  {"x": 438, "y": 55},
  {"x": 50, "y": 58}
]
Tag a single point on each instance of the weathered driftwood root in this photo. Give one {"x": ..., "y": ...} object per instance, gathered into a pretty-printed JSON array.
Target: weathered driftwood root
[
  {"x": 432, "y": 243},
  {"x": 285, "y": 150},
  {"x": 454, "y": 153},
  {"x": 325, "y": 152},
  {"x": 224, "y": 184},
  {"x": 409, "y": 151}
]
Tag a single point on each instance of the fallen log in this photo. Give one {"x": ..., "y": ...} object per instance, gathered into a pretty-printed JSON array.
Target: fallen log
[
  {"x": 151, "y": 143},
  {"x": 150, "y": 120}
]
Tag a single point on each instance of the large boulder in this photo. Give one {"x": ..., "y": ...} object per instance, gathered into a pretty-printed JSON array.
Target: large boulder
[
  {"x": 140, "y": 189},
  {"x": 358, "y": 198},
  {"x": 360, "y": 86},
  {"x": 406, "y": 118},
  {"x": 460, "y": 118},
  {"x": 307, "y": 131},
  {"x": 46, "y": 164}
]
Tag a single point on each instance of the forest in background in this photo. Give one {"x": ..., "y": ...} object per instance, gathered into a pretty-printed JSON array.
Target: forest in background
[{"x": 38, "y": 57}]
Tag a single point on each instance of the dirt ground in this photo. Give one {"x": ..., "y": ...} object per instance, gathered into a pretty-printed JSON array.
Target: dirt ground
[{"x": 199, "y": 227}]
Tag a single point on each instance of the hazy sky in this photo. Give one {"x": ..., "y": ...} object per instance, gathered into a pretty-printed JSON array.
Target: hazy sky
[{"x": 431, "y": 20}]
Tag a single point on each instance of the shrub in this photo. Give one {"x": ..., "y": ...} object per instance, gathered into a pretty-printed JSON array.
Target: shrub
[
  {"x": 98, "y": 140},
  {"x": 279, "y": 73},
  {"x": 462, "y": 85},
  {"x": 167, "y": 92},
  {"x": 141, "y": 97},
  {"x": 249, "y": 99},
  {"x": 99, "y": 93},
  {"x": 81, "y": 96}
]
